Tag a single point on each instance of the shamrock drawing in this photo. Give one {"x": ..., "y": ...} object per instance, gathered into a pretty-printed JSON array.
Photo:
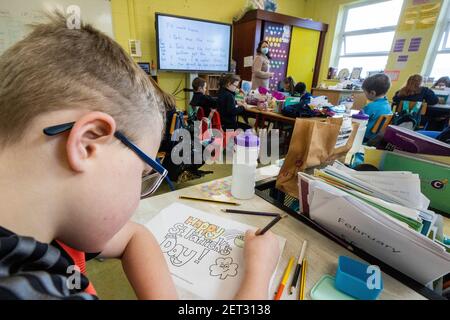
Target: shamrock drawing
[{"x": 223, "y": 268}]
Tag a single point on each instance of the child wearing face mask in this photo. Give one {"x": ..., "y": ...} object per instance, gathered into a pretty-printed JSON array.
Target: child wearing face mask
[
  {"x": 228, "y": 108},
  {"x": 261, "y": 74}
]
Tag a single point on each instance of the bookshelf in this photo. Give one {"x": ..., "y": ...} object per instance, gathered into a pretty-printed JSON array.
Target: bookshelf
[{"x": 213, "y": 83}]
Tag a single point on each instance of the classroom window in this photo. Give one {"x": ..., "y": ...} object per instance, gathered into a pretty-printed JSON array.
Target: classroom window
[
  {"x": 441, "y": 58},
  {"x": 367, "y": 34}
]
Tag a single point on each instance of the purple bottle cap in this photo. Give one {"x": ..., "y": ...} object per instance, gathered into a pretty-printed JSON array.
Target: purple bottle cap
[
  {"x": 247, "y": 139},
  {"x": 360, "y": 116}
]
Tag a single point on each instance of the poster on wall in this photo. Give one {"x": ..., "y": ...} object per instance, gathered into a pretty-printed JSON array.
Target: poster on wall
[
  {"x": 401, "y": 63},
  {"x": 420, "y": 15},
  {"x": 429, "y": 14},
  {"x": 414, "y": 45},
  {"x": 394, "y": 75},
  {"x": 399, "y": 45},
  {"x": 279, "y": 38}
]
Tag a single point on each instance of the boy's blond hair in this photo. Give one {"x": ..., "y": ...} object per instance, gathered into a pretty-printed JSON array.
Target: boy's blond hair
[{"x": 56, "y": 68}]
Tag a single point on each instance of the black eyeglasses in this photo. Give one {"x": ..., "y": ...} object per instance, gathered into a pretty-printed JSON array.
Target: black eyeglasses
[{"x": 150, "y": 181}]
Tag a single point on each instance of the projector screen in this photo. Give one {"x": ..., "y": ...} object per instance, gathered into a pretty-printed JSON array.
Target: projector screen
[{"x": 190, "y": 45}]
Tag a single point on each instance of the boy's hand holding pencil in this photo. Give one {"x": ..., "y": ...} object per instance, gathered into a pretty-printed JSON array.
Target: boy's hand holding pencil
[{"x": 261, "y": 254}]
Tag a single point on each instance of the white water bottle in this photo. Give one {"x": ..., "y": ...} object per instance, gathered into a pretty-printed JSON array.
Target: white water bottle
[
  {"x": 245, "y": 161},
  {"x": 362, "y": 119}
]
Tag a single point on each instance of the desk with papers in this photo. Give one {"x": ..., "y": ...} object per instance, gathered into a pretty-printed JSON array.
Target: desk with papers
[{"x": 371, "y": 212}]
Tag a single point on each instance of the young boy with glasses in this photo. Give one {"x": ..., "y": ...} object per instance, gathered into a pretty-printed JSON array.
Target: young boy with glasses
[
  {"x": 229, "y": 108},
  {"x": 80, "y": 126}
]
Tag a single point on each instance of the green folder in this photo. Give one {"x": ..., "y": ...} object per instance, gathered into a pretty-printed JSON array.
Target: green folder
[{"x": 434, "y": 177}]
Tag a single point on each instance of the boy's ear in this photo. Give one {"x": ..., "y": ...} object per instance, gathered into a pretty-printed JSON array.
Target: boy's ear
[{"x": 88, "y": 134}]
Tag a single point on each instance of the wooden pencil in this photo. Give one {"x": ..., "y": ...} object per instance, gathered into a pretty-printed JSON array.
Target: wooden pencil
[
  {"x": 285, "y": 278},
  {"x": 210, "y": 200},
  {"x": 253, "y": 213},
  {"x": 270, "y": 225},
  {"x": 303, "y": 281}
]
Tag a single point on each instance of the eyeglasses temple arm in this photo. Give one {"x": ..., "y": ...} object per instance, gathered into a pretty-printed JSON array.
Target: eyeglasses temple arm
[{"x": 55, "y": 130}]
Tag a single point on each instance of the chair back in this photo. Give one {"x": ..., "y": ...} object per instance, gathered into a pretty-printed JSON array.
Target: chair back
[{"x": 382, "y": 123}]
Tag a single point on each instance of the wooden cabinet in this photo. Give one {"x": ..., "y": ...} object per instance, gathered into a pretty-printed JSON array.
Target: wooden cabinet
[{"x": 250, "y": 30}]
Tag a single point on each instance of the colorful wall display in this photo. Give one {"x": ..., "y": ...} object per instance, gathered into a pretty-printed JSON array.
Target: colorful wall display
[{"x": 279, "y": 38}]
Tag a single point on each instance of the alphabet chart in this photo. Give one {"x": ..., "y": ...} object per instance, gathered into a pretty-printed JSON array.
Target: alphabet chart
[{"x": 204, "y": 252}]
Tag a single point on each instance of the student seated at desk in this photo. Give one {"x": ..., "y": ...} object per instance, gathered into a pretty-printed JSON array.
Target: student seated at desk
[
  {"x": 375, "y": 89},
  {"x": 300, "y": 91},
  {"x": 301, "y": 108},
  {"x": 414, "y": 91},
  {"x": 442, "y": 83},
  {"x": 72, "y": 163},
  {"x": 287, "y": 86},
  {"x": 229, "y": 109},
  {"x": 200, "y": 98}
]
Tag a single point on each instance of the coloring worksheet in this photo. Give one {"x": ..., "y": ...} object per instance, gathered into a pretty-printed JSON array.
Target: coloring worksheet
[{"x": 204, "y": 251}]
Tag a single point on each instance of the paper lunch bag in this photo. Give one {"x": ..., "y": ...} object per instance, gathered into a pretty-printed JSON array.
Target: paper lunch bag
[{"x": 313, "y": 144}]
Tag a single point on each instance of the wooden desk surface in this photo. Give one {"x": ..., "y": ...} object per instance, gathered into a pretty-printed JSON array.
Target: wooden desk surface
[
  {"x": 280, "y": 117},
  {"x": 271, "y": 114},
  {"x": 322, "y": 253},
  {"x": 338, "y": 90}
]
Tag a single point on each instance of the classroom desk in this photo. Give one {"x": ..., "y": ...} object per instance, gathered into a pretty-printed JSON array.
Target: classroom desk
[
  {"x": 322, "y": 253},
  {"x": 254, "y": 112},
  {"x": 335, "y": 96},
  {"x": 438, "y": 111},
  {"x": 440, "y": 107}
]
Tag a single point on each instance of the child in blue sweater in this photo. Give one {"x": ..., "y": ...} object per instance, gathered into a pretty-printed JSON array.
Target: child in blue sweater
[{"x": 375, "y": 88}]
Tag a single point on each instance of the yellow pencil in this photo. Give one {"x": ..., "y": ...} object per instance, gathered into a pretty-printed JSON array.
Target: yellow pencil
[
  {"x": 287, "y": 272},
  {"x": 303, "y": 281}
]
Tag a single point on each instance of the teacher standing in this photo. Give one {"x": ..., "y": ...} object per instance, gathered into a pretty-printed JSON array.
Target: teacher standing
[{"x": 261, "y": 74}]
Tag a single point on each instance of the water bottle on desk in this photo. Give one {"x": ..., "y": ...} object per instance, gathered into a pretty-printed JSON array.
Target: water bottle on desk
[
  {"x": 362, "y": 119},
  {"x": 245, "y": 161}
]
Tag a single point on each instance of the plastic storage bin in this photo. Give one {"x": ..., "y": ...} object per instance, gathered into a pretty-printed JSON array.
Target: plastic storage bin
[{"x": 351, "y": 278}]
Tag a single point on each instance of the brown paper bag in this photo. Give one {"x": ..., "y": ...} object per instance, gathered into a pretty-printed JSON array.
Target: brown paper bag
[{"x": 313, "y": 143}]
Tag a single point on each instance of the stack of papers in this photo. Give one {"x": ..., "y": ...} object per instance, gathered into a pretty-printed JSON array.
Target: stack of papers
[
  {"x": 403, "y": 185},
  {"x": 380, "y": 215}
]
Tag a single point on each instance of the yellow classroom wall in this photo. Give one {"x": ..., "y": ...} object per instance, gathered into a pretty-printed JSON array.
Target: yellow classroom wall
[
  {"x": 331, "y": 11},
  {"x": 135, "y": 19}
]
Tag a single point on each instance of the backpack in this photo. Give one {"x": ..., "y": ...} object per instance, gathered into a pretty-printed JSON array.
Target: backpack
[
  {"x": 408, "y": 117},
  {"x": 299, "y": 109}
]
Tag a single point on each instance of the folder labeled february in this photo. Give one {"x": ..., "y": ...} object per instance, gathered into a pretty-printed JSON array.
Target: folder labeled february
[{"x": 386, "y": 237}]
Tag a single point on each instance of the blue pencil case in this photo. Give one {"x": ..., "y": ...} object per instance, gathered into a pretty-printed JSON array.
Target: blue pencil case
[{"x": 352, "y": 278}]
